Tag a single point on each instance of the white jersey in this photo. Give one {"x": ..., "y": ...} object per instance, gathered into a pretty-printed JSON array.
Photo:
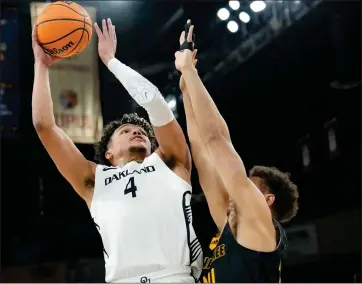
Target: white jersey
[{"x": 143, "y": 214}]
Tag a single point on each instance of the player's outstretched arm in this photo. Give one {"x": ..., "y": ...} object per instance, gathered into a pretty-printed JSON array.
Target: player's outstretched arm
[
  {"x": 257, "y": 232},
  {"x": 68, "y": 159},
  {"x": 210, "y": 121},
  {"x": 210, "y": 181},
  {"x": 172, "y": 143}
]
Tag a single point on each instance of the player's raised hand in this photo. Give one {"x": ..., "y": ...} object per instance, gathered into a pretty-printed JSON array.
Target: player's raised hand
[
  {"x": 184, "y": 59},
  {"x": 182, "y": 83},
  {"x": 39, "y": 53},
  {"x": 107, "y": 40}
]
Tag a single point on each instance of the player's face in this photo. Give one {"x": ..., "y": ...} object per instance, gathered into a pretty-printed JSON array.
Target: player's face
[
  {"x": 130, "y": 138},
  {"x": 259, "y": 184}
]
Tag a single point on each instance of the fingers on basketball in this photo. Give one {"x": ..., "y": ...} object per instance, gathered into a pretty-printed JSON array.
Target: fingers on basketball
[
  {"x": 33, "y": 33},
  {"x": 34, "y": 37}
]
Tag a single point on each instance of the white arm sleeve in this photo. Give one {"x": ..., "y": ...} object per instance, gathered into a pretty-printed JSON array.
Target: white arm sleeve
[{"x": 143, "y": 92}]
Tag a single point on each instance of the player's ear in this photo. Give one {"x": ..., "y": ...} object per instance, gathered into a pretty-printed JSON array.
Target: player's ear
[
  {"x": 108, "y": 155},
  {"x": 270, "y": 198}
]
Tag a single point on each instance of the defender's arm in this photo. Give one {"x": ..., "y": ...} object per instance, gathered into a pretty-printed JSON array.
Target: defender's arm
[
  {"x": 211, "y": 123},
  {"x": 210, "y": 181},
  {"x": 68, "y": 159},
  {"x": 254, "y": 215}
]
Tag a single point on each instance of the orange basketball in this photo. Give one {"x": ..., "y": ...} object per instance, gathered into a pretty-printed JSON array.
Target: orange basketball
[{"x": 63, "y": 29}]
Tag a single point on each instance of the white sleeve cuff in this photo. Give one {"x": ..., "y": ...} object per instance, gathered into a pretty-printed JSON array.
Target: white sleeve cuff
[{"x": 143, "y": 92}]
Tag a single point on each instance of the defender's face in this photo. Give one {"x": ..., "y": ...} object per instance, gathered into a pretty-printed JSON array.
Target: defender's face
[{"x": 129, "y": 138}]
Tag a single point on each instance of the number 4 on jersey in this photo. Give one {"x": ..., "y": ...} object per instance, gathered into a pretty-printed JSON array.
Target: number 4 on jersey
[{"x": 131, "y": 187}]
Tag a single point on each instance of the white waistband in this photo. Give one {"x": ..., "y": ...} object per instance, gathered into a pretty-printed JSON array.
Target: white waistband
[{"x": 181, "y": 275}]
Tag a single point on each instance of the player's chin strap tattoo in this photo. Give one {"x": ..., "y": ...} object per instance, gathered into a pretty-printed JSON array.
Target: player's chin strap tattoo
[
  {"x": 143, "y": 92},
  {"x": 186, "y": 44}
]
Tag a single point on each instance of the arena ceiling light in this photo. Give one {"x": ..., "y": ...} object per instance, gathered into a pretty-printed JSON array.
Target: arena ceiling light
[
  {"x": 232, "y": 26},
  {"x": 257, "y": 6},
  {"x": 223, "y": 14},
  {"x": 235, "y": 5},
  {"x": 244, "y": 17}
]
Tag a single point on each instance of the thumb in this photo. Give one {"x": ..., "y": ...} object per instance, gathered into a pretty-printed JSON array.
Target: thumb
[
  {"x": 34, "y": 37},
  {"x": 56, "y": 59}
]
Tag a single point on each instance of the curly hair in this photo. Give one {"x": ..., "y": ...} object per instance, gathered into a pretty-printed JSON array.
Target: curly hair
[
  {"x": 102, "y": 146},
  {"x": 285, "y": 206}
]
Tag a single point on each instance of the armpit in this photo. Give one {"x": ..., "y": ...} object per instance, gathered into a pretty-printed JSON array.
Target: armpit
[{"x": 89, "y": 183}]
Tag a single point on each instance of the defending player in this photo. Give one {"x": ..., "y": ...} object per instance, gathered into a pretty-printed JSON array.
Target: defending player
[
  {"x": 246, "y": 210},
  {"x": 139, "y": 195}
]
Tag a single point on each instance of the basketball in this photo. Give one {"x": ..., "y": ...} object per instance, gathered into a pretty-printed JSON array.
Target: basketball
[{"x": 63, "y": 28}]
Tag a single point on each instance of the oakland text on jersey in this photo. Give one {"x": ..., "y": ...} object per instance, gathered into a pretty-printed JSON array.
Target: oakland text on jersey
[{"x": 119, "y": 175}]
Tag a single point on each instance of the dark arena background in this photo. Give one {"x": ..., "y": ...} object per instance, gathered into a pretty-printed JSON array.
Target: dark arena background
[{"x": 285, "y": 76}]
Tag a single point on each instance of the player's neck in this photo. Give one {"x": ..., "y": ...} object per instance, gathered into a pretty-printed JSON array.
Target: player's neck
[{"x": 122, "y": 161}]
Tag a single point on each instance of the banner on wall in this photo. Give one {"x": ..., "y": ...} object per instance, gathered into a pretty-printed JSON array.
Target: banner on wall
[{"x": 74, "y": 83}]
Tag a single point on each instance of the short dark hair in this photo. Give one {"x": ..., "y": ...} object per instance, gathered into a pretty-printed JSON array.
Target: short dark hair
[
  {"x": 285, "y": 206},
  {"x": 102, "y": 146}
]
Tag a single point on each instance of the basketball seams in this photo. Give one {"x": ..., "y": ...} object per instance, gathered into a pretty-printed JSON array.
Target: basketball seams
[
  {"x": 55, "y": 4},
  {"x": 63, "y": 19},
  {"x": 69, "y": 52},
  {"x": 86, "y": 25},
  {"x": 82, "y": 32},
  {"x": 73, "y": 31}
]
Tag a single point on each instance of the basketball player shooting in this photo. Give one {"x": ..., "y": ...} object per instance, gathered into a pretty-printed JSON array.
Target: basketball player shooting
[
  {"x": 139, "y": 194},
  {"x": 246, "y": 210}
]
